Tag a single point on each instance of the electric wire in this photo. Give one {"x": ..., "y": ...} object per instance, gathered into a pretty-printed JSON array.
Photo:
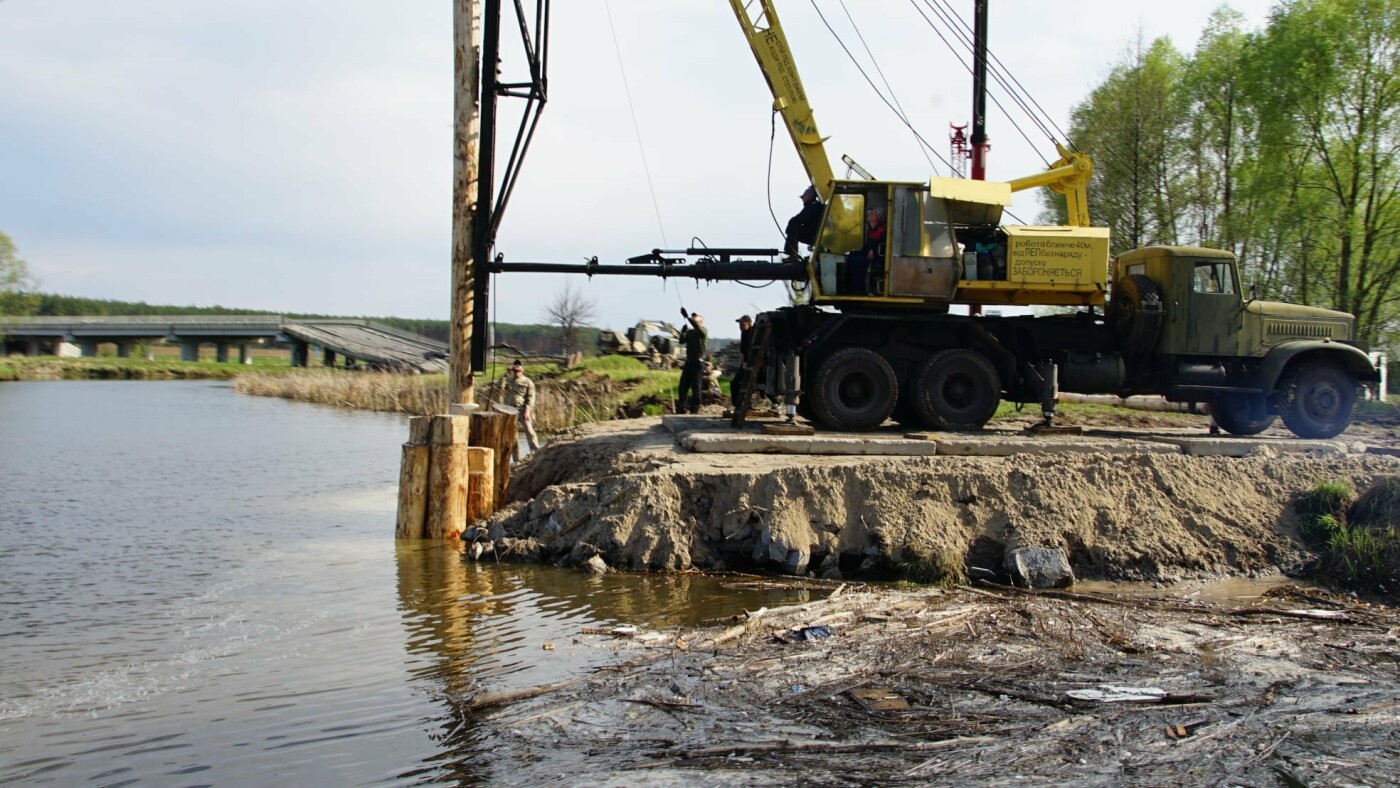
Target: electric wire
[
  {"x": 968, "y": 66},
  {"x": 1029, "y": 96},
  {"x": 873, "y": 87},
  {"x": 955, "y": 24},
  {"x": 900, "y": 111},
  {"x": 636, "y": 127}
]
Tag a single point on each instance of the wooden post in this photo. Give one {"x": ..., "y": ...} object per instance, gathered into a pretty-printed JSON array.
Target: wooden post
[
  {"x": 413, "y": 481},
  {"x": 466, "y": 40},
  {"x": 481, "y": 484},
  {"x": 447, "y": 477},
  {"x": 497, "y": 431}
]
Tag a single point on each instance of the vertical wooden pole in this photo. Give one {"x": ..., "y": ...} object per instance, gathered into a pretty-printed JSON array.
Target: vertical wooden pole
[
  {"x": 466, "y": 166},
  {"x": 481, "y": 484},
  {"x": 497, "y": 431}
]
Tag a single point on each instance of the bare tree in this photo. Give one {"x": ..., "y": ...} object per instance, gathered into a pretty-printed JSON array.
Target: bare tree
[{"x": 569, "y": 311}]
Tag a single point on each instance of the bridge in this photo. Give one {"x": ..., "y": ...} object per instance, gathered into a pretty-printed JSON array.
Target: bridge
[{"x": 358, "y": 342}]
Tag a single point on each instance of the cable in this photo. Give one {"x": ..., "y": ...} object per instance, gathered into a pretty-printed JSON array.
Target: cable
[
  {"x": 967, "y": 66},
  {"x": 636, "y": 128},
  {"x": 856, "y": 63},
  {"x": 772, "y": 137},
  {"x": 902, "y": 115},
  {"x": 1002, "y": 68}
]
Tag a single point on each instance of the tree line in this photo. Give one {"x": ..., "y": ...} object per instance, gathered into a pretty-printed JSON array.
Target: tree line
[{"x": 1277, "y": 144}]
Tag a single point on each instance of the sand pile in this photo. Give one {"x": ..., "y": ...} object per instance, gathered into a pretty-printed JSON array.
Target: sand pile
[{"x": 625, "y": 493}]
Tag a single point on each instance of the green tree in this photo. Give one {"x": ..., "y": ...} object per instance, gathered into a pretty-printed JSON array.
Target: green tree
[
  {"x": 15, "y": 281},
  {"x": 1327, "y": 87},
  {"x": 1130, "y": 127}
]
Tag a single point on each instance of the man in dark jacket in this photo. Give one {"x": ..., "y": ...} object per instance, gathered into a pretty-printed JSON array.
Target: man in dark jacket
[
  {"x": 802, "y": 228},
  {"x": 736, "y": 383},
  {"x": 870, "y": 257},
  {"x": 695, "y": 338}
]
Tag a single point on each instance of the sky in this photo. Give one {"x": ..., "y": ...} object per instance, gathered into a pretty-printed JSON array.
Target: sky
[{"x": 297, "y": 156}]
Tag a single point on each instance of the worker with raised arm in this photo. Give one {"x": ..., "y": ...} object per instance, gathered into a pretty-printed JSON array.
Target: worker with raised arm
[
  {"x": 695, "y": 338},
  {"x": 802, "y": 228}
]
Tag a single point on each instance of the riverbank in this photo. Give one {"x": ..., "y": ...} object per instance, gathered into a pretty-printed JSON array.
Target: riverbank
[
  {"x": 982, "y": 686},
  {"x": 20, "y": 368}
]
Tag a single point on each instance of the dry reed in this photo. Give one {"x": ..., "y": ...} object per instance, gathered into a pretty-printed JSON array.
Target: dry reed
[{"x": 558, "y": 405}]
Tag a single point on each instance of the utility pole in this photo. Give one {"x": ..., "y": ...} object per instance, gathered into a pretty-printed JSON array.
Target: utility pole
[
  {"x": 466, "y": 16},
  {"x": 979, "y": 90}
]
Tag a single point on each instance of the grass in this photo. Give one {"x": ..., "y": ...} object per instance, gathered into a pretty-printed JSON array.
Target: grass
[
  {"x": 932, "y": 567},
  {"x": 1355, "y": 534},
  {"x": 112, "y": 368}
]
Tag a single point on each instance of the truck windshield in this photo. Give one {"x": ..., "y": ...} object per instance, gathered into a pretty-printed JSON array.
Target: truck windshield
[{"x": 1213, "y": 276}]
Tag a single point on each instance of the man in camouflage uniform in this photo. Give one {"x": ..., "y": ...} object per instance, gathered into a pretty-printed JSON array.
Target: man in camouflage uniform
[{"x": 520, "y": 394}]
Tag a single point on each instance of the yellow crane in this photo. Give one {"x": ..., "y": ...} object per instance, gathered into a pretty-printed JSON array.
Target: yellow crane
[{"x": 944, "y": 242}]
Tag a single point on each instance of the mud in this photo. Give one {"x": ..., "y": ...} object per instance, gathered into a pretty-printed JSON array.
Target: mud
[
  {"x": 985, "y": 687},
  {"x": 626, "y": 492}
]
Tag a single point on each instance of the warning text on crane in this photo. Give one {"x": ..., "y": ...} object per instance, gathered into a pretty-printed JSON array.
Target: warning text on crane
[{"x": 1057, "y": 259}]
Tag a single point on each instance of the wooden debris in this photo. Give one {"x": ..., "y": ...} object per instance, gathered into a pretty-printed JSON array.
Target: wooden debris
[{"x": 879, "y": 699}]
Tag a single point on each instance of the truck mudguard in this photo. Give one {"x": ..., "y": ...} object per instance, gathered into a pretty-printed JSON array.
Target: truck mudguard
[{"x": 1350, "y": 357}]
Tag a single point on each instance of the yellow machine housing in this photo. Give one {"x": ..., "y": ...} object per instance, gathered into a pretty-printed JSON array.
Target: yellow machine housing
[
  {"x": 945, "y": 241},
  {"x": 944, "y": 244}
]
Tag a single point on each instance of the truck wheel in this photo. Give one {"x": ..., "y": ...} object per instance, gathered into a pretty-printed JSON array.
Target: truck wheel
[
  {"x": 957, "y": 390},
  {"x": 1317, "y": 400},
  {"x": 1242, "y": 414},
  {"x": 855, "y": 390},
  {"x": 1137, "y": 313}
]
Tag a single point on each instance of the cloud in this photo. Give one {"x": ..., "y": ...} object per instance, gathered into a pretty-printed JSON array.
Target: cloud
[{"x": 297, "y": 156}]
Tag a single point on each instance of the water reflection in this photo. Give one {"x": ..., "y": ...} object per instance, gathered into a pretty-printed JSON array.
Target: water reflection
[{"x": 482, "y": 627}]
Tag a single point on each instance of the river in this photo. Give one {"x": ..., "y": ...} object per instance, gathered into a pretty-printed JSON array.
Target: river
[{"x": 201, "y": 587}]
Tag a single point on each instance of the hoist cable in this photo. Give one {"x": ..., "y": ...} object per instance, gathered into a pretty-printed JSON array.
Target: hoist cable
[
  {"x": 870, "y": 82},
  {"x": 636, "y": 128}
]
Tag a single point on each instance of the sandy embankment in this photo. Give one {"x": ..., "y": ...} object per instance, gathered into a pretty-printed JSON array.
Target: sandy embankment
[{"x": 627, "y": 492}]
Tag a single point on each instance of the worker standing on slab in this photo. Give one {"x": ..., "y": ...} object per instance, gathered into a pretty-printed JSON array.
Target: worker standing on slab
[
  {"x": 520, "y": 394},
  {"x": 741, "y": 376},
  {"x": 695, "y": 338}
]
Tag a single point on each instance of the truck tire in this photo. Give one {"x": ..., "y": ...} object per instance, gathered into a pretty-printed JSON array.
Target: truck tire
[
  {"x": 1138, "y": 313},
  {"x": 1317, "y": 399},
  {"x": 1242, "y": 414},
  {"x": 854, "y": 390},
  {"x": 957, "y": 389}
]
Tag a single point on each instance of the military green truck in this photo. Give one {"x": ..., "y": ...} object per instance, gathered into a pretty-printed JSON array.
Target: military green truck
[{"x": 1175, "y": 324}]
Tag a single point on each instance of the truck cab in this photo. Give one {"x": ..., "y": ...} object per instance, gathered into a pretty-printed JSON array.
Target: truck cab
[{"x": 1187, "y": 332}]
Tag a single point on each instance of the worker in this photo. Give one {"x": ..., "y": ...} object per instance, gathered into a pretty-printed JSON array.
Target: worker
[
  {"x": 520, "y": 394},
  {"x": 868, "y": 259},
  {"x": 736, "y": 384},
  {"x": 802, "y": 228},
  {"x": 695, "y": 338}
]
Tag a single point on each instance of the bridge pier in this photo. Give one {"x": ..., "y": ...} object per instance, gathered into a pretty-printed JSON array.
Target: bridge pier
[
  {"x": 300, "y": 352},
  {"x": 327, "y": 357},
  {"x": 87, "y": 348},
  {"x": 31, "y": 348},
  {"x": 244, "y": 357},
  {"x": 150, "y": 350},
  {"x": 221, "y": 352},
  {"x": 189, "y": 350},
  {"x": 123, "y": 349}
]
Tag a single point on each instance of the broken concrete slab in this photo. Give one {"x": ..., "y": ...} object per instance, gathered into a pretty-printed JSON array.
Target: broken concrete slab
[
  {"x": 1216, "y": 446},
  {"x": 978, "y": 446},
  {"x": 743, "y": 443}
]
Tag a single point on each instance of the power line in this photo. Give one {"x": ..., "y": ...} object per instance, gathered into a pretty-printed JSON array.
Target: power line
[{"x": 636, "y": 128}]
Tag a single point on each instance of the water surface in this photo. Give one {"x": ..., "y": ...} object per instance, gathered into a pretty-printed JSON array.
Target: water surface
[{"x": 201, "y": 587}]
